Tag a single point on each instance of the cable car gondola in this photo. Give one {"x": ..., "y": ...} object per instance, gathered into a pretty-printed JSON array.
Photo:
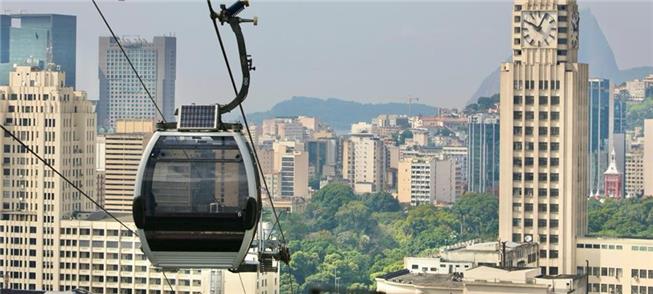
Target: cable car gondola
[
  {"x": 197, "y": 199},
  {"x": 197, "y": 202}
]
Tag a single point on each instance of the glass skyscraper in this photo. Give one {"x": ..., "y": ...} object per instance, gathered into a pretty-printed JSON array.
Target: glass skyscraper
[
  {"x": 483, "y": 154},
  {"x": 599, "y": 132},
  {"x": 40, "y": 40},
  {"x": 121, "y": 94}
]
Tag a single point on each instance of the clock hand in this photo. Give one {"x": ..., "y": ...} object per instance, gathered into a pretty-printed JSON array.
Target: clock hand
[
  {"x": 537, "y": 28},
  {"x": 542, "y": 21}
]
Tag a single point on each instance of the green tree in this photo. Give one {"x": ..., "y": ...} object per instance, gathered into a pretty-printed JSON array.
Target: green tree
[{"x": 478, "y": 214}]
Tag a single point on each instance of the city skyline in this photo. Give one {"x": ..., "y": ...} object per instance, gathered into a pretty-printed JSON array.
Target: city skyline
[{"x": 351, "y": 72}]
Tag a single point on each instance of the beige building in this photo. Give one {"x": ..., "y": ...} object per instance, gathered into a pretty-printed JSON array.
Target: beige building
[
  {"x": 123, "y": 153},
  {"x": 58, "y": 123},
  {"x": 291, "y": 168},
  {"x": 616, "y": 265},
  {"x": 544, "y": 130},
  {"x": 364, "y": 162},
  {"x": 648, "y": 157},
  {"x": 416, "y": 183},
  {"x": 98, "y": 254},
  {"x": 634, "y": 173}
]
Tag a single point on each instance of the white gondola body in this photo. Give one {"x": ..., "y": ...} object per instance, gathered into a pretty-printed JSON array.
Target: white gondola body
[{"x": 219, "y": 260}]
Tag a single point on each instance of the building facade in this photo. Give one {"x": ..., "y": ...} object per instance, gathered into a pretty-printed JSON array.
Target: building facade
[
  {"x": 121, "y": 94},
  {"x": 123, "y": 153},
  {"x": 544, "y": 133},
  {"x": 58, "y": 123},
  {"x": 38, "y": 40},
  {"x": 364, "y": 162},
  {"x": 416, "y": 181},
  {"x": 634, "y": 173},
  {"x": 648, "y": 157},
  {"x": 599, "y": 132},
  {"x": 483, "y": 154}
]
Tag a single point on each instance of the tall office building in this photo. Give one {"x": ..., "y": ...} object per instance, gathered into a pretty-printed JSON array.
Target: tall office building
[
  {"x": 121, "y": 94},
  {"x": 59, "y": 124},
  {"x": 123, "y": 152},
  {"x": 416, "y": 180},
  {"x": 322, "y": 157},
  {"x": 544, "y": 133},
  {"x": 483, "y": 154},
  {"x": 291, "y": 169},
  {"x": 599, "y": 132},
  {"x": 38, "y": 40},
  {"x": 364, "y": 162}
]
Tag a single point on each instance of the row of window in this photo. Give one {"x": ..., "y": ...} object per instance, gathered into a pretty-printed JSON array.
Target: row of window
[
  {"x": 530, "y": 115},
  {"x": 605, "y": 288},
  {"x": 542, "y": 131},
  {"x": 541, "y": 223},
  {"x": 600, "y": 246},
  {"x": 541, "y": 192},
  {"x": 542, "y": 161},
  {"x": 530, "y": 146},
  {"x": 528, "y": 177},
  {"x": 601, "y": 271},
  {"x": 541, "y": 207}
]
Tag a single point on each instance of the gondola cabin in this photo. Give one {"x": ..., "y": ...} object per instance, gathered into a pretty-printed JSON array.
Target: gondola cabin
[{"x": 197, "y": 198}]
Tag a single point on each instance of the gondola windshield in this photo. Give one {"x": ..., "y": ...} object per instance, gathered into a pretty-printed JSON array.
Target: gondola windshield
[{"x": 195, "y": 176}]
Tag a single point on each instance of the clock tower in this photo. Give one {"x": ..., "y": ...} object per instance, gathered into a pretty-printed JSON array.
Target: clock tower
[{"x": 544, "y": 133}]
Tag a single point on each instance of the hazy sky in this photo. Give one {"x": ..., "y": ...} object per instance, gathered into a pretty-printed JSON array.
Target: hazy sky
[{"x": 365, "y": 51}]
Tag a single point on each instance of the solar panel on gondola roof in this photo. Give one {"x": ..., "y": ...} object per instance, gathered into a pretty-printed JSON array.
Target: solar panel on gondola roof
[{"x": 198, "y": 117}]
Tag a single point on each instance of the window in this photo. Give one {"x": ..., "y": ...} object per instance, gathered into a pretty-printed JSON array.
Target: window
[
  {"x": 542, "y": 161},
  {"x": 555, "y": 146},
  {"x": 562, "y": 41},
  {"x": 516, "y": 161},
  {"x": 528, "y": 207},
  {"x": 544, "y": 115},
  {"x": 555, "y": 115},
  {"x": 530, "y": 115},
  {"x": 528, "y": 161},
  {"x": 517, "y": 146},
  {"x": 555, "y": 131},
  {"x": 517, "y": 115},
  {"x": 544, "y": 100},
  {"x": 528, "y": 176},
  {"x": 529, "y": 99},
  {"x": 517, "y": 99},
  {"x": 516, "y": 176},
  {"x": 516, "y": 222},
  {"x": 554, "y": 239},
  {"x": 555, "y": 161},
  {"x": 562, "y": 18},
  {"x": 528, "y": 223},
  {"x": 541, "y": 192},
  {"x": 542, "y": 176},
  {"x": 553, "y": 254},
  {"x": 553, "y": 207},
  {"x": 542, "y": 131},
  {"x": 542, "y": 146},
  {"x": 555, "y": 100},
  {"x": 553, "y": 223},
  {"x": 530, "y": 146},
  {"x": 528, "y": 131},
  {"x": 542, "y": 224},
  {"x": 554, "y": 177},
  {"x": 516, "y": 130}
]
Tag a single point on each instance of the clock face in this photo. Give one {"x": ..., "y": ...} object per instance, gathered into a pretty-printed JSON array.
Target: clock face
[
  {"x": 573, "y": 35},
  {"x": 539, "y": 28}
]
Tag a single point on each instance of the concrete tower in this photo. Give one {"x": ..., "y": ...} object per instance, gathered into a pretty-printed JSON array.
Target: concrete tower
[{"x": 544, "y": 133}]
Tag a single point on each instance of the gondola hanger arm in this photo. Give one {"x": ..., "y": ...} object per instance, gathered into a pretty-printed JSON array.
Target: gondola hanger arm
[{"x": 229, "y": 15}]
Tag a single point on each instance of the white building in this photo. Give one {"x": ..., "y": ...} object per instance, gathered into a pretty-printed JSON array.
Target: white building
[{"x": 364, "y": 162}]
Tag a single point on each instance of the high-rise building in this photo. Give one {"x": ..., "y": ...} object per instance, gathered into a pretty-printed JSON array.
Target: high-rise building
[
  {"x": 416, "y": 183},
  {"x": 599, "y": 132},
  {"x": 544, "y": 133},
  {"x": 648, "y": 157},
  {"x": 483, "y": 154},
  {"x": 121, "y": 94},
  {"x": 634, "y": 173},
  {"x": 291, "y": 168},
  {"x": 322, "y": 157},
  {"x": 364, "y": 162},
  {"x": 618, "y": 114},
  {"x": 123, "y": 152},
  {"x": 39, "y": 40},
  {"x": 59, "y": 124}
]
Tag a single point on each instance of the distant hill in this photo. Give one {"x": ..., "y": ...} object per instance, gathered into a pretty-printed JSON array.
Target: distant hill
[
  {"x": 337, "y": 113},
  {"x": 594, "y": 50}
]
